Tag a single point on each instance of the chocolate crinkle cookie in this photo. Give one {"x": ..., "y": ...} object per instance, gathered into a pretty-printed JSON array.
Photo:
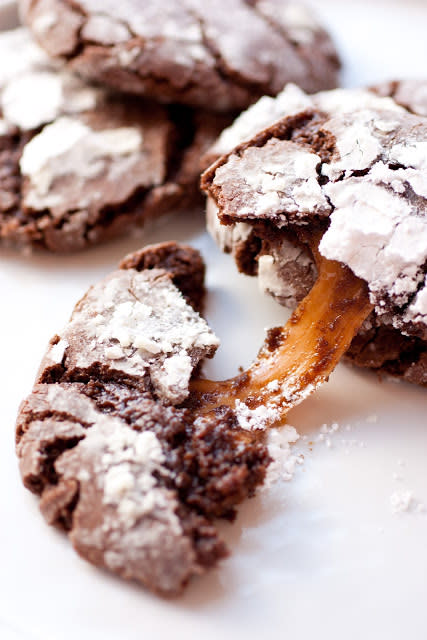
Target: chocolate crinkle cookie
[
  {"x": 222, "y": 55},
  {"x": 105, "y": 440},
  {"x": 79, "y": 165},
  {"x": 347, "y": 167}
]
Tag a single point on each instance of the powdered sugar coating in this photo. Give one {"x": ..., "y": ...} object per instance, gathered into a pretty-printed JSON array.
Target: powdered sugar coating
[
  {"x": 75, "y": 149},
  {"x": 256, "y": 419},
  {"x": 289, "y": 102},
  {"x": 123, "y": 516},
  {"x": 259, "y": 116},
  {"x": 284, "y": 462},
  {"x": 278, "y": 177},
  {"x": 132, "y": 516},
  {"x": 81, "y": 164},
  {"x": 378, "y": 226},
  {"x": 70, "y": 148},
  {"x": 372, "y": 185},
  {"x": 32, "y": 91},
  {"x": 22, "y": 54},
  {"x": 379, "y": 236},
  {"x": 138, "y": 323}
]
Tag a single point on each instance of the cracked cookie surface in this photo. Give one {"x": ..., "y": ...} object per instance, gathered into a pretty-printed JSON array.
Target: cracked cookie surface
[
  {"x": 220, "y": 55},
  {"x": 351, "y": 165},
  {"x": 104, "y": 440},
  {"x": 79, "y": 165}
]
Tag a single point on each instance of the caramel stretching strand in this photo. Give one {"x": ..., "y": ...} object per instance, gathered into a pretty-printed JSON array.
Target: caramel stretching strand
[{"x": 297, "y": 358}]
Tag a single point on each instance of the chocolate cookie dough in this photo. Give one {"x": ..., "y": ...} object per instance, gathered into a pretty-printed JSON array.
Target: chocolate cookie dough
[
  {"x": 133, "y": 477},
  {"x": 347, "y": 165},
  {"x": 221, "y": 55},
  {"x": 79, "y": 164}
]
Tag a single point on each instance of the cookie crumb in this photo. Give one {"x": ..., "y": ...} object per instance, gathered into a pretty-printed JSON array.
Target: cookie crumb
[
  {"x": 372, "y": 419},
  {"x": 401, "y": 501},
  {"x": 255, "y": 419},
  {"x": 283, "y": 463}
]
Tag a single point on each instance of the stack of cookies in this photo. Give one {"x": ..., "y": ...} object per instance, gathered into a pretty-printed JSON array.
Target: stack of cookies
[
  {"x": 319, "y": 192},
  {"x": 86, "y": 157}
]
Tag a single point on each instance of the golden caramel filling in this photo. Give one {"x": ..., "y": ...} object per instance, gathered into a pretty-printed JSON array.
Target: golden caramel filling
[{"x": 297, "y": 358}]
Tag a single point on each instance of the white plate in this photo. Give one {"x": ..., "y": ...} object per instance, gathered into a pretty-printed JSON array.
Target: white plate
[{"x": 321, "y": 556}]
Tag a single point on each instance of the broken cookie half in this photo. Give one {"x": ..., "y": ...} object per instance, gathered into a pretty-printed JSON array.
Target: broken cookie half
[
  {"x": 135, "y": 454},
  {"x": 106, "y": 441},
  {"x": 340, "y": 175},
  {"x": 79, "y": 164}
]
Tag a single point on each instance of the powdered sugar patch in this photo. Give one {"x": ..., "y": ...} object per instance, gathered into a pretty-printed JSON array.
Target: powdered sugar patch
[{"x": 284, "y": 462}]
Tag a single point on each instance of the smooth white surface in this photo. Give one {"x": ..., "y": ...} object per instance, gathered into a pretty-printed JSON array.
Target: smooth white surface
[{"x": 319, "y": 557}]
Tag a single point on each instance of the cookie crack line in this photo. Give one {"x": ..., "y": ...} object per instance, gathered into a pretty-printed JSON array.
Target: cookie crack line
[
  {"x": 281, "y": 31},
  {"x": 79, "y": 44},
  {"x": 221, "y": 68},
  {"x": 164, "y": 79},
  {"x": 158, "y": 78}
]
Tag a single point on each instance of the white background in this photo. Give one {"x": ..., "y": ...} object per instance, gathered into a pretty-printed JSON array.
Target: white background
[{"x": 319, "y": 557}]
